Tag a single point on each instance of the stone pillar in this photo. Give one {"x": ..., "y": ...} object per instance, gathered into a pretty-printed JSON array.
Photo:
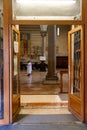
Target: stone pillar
[
  {"x": 43, "y": 34},
  {"x": 51, "y": 76}
]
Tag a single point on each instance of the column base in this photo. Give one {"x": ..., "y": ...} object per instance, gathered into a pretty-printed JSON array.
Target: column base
[{"x": 51, "y": 80}]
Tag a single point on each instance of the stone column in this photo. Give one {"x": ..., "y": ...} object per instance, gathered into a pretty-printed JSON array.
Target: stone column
[
  {"x": 51, "y": 76},
  {"x": 43, "y": 34}
]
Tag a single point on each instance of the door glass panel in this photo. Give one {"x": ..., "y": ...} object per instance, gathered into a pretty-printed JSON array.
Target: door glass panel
[
  {"x": 15, "y": 74},
  {"x": 47, "y": 9},
  {"x": 15, "y": 65},
  {"x": 76, "y": 64},
  {"x": 1, "y": 63}
]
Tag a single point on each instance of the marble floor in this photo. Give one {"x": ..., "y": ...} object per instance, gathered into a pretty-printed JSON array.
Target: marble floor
[
  {"x": 37, "y": 98},
  {"x": 32, "y": 85}
]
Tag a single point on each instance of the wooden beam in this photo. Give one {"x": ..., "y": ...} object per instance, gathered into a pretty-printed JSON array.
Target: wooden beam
[{"x": 50, "y": 22}]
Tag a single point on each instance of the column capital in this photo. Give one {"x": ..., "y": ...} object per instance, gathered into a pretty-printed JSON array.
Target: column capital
[{"x": 43, "y": 33}]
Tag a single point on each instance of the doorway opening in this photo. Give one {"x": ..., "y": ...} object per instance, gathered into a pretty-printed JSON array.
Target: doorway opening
[
  {"x": 37, "y": 98},
  {"x": 32, "y": 86}
]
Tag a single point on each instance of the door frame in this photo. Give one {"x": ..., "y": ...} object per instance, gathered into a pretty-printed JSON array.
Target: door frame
[
  {"x": 8, "y": 22},
  {"x": 68, "y": 64},
  {"x": 10, "y": 103}
]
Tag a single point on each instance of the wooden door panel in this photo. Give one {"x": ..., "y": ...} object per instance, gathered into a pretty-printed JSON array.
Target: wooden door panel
[
  {"x": 76, "y": 72},
  {"x": 15, "y": 72},
  {"x": 75, "y": 106}
]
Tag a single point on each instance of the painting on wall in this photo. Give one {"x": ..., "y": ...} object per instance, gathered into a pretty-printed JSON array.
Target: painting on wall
[{"x": 35, "y": 51}]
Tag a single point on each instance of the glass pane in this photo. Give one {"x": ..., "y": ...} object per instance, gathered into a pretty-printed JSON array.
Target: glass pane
[
  {"x": 76, "y": 64},
  {"x": 47, "y": 9},
  {"x": 1, "y": 63},
  {"x": 15, "y": 64},
  {"x": 77, "y": 60}
]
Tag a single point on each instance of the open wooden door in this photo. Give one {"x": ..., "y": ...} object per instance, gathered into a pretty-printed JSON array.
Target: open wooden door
[
  {"x": 15, "y": 72},
  {"x": 76, "y": 72}
]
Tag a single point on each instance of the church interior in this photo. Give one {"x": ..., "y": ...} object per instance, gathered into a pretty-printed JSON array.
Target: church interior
[{"x": 35, "y": 94}]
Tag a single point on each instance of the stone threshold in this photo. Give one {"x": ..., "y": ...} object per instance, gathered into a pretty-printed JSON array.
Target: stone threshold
[{"x": 45, "y": 105}]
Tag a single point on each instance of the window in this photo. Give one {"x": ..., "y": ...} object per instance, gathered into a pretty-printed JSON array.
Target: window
[{"x": 47, "y": 9}]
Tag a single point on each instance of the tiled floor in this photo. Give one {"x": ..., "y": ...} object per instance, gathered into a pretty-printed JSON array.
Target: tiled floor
[{"x": 37, "y": 98}]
